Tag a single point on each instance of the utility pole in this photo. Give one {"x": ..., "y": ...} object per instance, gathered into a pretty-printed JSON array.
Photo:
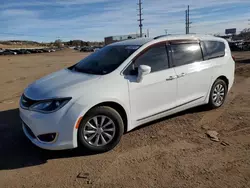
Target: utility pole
[
  {"x": 187, "y": 20},
  {"x": 148, "y": 32},
  {"x": 186, "y": 23},
  {"x": 140, "y": 17}
]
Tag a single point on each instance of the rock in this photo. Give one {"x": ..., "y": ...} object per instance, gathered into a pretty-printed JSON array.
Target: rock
[
  {"x": 224, "y": 143},
  {"x": 8, "y": 102},
  {"x": 201, "y": 136},
  {"x": 213, "y": 136},
  {"x": 206, "y": 127},
  {"x": 83, "y": 175},
  {"x": 241, "y": 118},
  {"x": 89, "y": 182},
  {"x": 153, "y": 137}
]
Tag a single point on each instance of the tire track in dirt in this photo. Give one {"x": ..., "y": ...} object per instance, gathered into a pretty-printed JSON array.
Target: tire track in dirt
[
  {"x": 133, "y": 160},
  {"x": 141, "y": 155}
]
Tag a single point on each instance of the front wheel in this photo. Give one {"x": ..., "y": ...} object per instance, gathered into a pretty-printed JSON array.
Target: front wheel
[
  {"x": 101, "y": 129},
  {"x": 218, "y": 94}
]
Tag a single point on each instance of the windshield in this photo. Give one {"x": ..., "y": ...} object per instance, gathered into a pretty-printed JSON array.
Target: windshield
[{"x": 105, "y": 60}]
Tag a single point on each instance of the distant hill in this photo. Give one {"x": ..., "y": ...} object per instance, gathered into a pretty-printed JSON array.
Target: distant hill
[
  {"x": 30, "y": 44},
  {"x": 22, "y": 44}
]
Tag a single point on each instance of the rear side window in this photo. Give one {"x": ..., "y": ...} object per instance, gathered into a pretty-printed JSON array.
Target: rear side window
[
  {"x": 184, "y": 54},
  {"x": 213, "y": 49},
  {"x": 156, "y": 57}
]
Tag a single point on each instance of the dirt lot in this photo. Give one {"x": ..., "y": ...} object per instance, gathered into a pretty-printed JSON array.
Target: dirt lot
[{"x": 172, "y": 152}]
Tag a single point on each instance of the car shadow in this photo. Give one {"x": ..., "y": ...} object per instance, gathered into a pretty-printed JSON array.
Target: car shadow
[{"x": 18, "y": 152}]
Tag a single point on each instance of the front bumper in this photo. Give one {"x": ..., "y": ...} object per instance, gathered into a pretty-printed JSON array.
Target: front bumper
[
  {"x": 50, "y": 145},
  {"x": 61, "y": 122}
]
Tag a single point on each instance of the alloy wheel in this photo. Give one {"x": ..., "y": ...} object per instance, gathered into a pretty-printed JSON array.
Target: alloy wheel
[
  {"x": 219, "y": 94},
  {"x": 99, "y": 130}
]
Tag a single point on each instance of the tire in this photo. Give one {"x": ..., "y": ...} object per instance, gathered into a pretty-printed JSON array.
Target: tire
[
  {"x": 213, "y": 104},
  {"x": 94, "y": 118}
]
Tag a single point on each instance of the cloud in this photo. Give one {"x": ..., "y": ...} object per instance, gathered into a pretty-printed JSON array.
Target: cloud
[
  {"x": 52, "y": 3},
  {"x": 17, "y": 12},
  {"x": 95, "y": 19}
]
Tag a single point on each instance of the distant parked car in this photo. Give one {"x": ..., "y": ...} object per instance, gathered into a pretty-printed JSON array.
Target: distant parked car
[
  {"x": 246, "y": 46},
  {"x": 46, "y": 50},
  {"x": 77, "y": 48},
  {"x": 234, "y": 47},
  {"x": 26, "y": 52},
  {"x": 9, "y": 52},
  {"x": 1, "y": 52},
  {"x": 22, "y": 51},
  {"x": 39, "y": 51},
  {"x": 86, "y": 49},
  {"x": 96, "y": 49},
  {"x": 32, "y": 51}
]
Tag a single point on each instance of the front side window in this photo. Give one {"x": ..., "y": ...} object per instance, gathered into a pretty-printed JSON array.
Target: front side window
[
  {"x": 156, "y": 57},
  {"x": 213, "y": 49},
  {"x": 105, "y": 60},
  {"x": 184, "y": 54}
]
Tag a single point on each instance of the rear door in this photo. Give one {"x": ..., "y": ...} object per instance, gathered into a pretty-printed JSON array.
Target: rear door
[{"x": 193, "y": 73}]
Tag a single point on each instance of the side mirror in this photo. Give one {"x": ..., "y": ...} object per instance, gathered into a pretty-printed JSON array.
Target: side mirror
[{"x": 142, "y": 71}]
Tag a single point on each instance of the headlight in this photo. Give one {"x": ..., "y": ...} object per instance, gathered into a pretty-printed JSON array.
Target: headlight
[{"x": 49, "y": 106}]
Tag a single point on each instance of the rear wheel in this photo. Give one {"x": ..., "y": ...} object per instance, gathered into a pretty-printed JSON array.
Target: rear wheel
[
  {"x": 101, "y": 129},
  {"x": 218, "y": 94}
]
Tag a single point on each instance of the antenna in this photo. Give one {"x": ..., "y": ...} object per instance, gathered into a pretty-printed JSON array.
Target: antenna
[
  {"x": 140, "y": 17},
  {"x": 166, "y": 31}
]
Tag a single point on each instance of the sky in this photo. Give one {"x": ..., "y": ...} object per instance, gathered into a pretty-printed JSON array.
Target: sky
[{"x": 92, "y": 20}]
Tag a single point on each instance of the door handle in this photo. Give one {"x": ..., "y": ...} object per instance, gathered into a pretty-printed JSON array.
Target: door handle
[
  {"x": 181, "y": 75},
  {"x": 171, "y": 78}
]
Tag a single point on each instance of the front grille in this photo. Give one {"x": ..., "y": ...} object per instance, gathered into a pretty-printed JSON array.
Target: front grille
[
  {"x": 27, "y": 102},
  {"x": 29, "y": 131}
]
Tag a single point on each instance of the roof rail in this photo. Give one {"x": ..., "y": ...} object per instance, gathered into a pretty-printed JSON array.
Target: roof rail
[{"x": 160, "y": 36}]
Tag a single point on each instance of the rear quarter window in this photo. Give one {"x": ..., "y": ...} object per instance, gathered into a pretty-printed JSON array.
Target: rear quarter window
[{"x": 213, "y": 49}]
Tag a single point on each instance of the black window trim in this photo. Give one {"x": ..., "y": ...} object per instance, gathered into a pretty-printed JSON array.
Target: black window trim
[
  {"x": 168, "y": 53},
  {"x": 187, "y": 42}
]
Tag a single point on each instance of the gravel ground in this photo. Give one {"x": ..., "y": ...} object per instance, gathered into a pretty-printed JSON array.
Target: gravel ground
[{"x": 171, "y": 152}]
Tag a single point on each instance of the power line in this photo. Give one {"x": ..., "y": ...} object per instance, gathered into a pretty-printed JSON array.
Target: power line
[{"x": 140, "y": 17}]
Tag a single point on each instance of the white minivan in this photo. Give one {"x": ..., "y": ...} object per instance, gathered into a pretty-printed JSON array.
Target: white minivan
[{"x": 124, "y": 85}]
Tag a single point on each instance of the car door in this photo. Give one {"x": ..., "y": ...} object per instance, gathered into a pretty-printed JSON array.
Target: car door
[
  {"x": 194, "y": 75},
  {"x": 157, "y": 90}
]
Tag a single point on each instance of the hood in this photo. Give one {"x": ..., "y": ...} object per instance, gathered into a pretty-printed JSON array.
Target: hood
[{"x": 58, "y": 84}]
